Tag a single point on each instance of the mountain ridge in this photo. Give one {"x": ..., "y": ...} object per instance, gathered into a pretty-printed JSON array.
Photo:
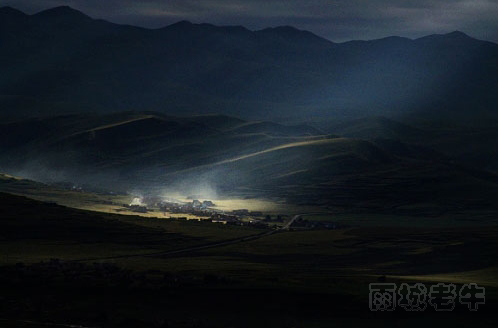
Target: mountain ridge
[
  {"x": 69, "y": 11},
  {"x": 274, "y": 73}
]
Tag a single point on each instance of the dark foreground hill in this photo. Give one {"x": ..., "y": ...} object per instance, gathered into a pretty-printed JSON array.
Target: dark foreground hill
[
  {"x": 61, "y": 60},
  {"x": 71, "y": 268}
]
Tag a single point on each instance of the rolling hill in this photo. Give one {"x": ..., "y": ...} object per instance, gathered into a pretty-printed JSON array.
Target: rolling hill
[
  {"x": 126, "y": 143},
  {"x": 393, "y": 167},
  {"x": 470, "y": 144}
]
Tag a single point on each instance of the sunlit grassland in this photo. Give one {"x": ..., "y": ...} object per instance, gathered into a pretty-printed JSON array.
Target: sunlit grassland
[{"x": 113, "y": 203}]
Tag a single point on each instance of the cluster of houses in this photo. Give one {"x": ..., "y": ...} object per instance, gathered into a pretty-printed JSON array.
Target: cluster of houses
[
  {"x": 205, "y": 211},
  {"x": 202, "y": 209},
  {"x": 195, "y": 205}
]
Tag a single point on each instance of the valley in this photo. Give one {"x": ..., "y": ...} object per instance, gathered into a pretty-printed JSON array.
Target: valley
[
  {"x": 193, "y": 237},
  {"x": 195, "y": 175}
]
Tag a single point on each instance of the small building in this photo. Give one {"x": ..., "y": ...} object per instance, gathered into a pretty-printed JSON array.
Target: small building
[
  {"x": 241, "y": 212},
  {"x": 138, "y": 208},
  {"x": 208, "y": 203}
]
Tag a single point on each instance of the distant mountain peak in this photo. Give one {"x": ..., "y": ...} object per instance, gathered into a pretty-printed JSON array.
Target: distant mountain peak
[
  {"x": 458, "y": 34},
  {"x": 455, "y": 36},
  {"x": 393, "y": 38},
  {"x": 182, "y": 23},
  {"x": 62, "y": 12},
  {"x": 185, "y": 25},
  {"x": 9, "y": 11},
  {"x": 230, "y": 28},
  {"x": 285, "y": 29}
]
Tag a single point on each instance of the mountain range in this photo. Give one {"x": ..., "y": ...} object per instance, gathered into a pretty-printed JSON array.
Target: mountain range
[
  {"x": 62, "y": 61},
  {"x": 392, "y": 124}
]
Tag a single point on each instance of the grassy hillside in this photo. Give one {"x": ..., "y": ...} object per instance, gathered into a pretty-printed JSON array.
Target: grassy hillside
[
  {"x": 394, "y": 168},
  {"x": 119, "y": 144},
  {"x": 469, "y": 143}
]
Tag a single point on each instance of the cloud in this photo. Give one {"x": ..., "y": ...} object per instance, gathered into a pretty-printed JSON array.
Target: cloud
[{"x": 338, "y": 20}]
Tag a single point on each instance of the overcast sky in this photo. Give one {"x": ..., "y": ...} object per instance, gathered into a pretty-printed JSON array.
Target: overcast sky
[{"x": 337, "y": 20}]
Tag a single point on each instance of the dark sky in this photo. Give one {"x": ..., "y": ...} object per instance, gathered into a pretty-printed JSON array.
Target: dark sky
[{"x": 337, "y": 20}]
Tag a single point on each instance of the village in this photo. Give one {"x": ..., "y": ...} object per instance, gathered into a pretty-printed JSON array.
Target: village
[
  {"x": 206, "y": 211},
  {"x": 201, "y": 210},
  {"x": 194, "y": 208}
]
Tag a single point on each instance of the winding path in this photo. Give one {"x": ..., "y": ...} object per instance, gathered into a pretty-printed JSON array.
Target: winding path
[{"x": 286, "y": 227}]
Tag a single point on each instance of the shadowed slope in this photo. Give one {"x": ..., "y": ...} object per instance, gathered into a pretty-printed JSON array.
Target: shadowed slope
[{"x": 61, "y": 60}]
